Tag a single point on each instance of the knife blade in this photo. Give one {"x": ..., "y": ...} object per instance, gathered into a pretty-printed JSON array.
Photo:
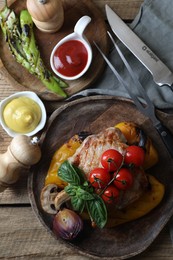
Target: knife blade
[{"x": 162, "y": 75}]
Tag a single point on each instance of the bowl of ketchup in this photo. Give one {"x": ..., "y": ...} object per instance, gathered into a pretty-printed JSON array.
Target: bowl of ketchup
[{"x": 72, "y": 56}]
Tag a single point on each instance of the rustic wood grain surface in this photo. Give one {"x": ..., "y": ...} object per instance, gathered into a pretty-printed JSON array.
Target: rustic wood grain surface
[{"x": 22, "y": 236}]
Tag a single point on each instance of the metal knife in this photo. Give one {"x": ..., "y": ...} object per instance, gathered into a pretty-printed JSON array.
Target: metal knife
[{"x": 160, "y": 72}]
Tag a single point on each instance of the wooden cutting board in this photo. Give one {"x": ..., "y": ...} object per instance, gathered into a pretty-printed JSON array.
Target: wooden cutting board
[{"x": 20, "y": 78}]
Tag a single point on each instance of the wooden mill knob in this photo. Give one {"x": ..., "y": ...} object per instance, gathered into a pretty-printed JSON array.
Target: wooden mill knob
[{"x": 48, "y": 15}]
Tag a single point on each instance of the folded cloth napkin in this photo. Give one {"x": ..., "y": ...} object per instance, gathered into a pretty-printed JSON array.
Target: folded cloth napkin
[{"x": 154, "y": 25}]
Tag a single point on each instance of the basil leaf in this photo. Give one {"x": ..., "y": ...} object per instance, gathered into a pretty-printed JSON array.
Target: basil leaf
[
  {"x": 68, "y": 173},
  {"x": 77, "y": 204},
  {"x": 79, "y": 192},
  {"x": 87, "y": 186},
  {"x": 83, "y": 194},
  {"x": 71, "y": 190},
  {"x": 97, "y": 211},
  {"x": 80, "y": 173}
]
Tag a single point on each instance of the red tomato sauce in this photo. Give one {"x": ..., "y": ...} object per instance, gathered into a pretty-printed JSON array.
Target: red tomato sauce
[{"x": 70, "y": 58}]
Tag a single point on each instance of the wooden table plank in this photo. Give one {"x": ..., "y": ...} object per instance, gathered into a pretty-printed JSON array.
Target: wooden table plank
[
  {"x": 16, "y": 194},
  {"x": 126, "y": 9},
  {"x": 22, "y": 236}
]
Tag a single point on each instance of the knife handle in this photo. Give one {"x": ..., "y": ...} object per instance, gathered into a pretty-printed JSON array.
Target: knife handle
[{"x": 166, "y": 136}]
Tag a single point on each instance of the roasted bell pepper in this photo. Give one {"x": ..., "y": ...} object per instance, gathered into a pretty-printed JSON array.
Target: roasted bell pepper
[
  {"x": 136, "y": 136},
  {"x": 148, "y": 201},
  {"x": 62, "y": 154}
]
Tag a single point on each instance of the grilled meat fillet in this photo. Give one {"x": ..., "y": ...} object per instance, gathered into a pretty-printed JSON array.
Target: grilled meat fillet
[{"x": 88, "y": 155}]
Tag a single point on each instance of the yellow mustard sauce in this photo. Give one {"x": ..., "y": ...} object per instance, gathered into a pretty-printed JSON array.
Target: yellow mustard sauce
[{"x": 22, "y": 115}]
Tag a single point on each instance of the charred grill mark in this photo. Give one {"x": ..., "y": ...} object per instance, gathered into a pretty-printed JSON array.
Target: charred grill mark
[
  {"x": 46, "y": 75},
  {"x": 26, "y": 30},
  {"x": 83, "y": 135},
  {"x": 143, "y": 139}
]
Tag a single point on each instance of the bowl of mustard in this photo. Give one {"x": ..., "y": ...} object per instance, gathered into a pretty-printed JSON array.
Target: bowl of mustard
[{"x": 22, "y": 113}]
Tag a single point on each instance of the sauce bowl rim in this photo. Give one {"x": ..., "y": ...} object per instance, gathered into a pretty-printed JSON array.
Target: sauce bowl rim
[
  {"x": 34, "y": 97},
  {"x": 89, "y": 52}
]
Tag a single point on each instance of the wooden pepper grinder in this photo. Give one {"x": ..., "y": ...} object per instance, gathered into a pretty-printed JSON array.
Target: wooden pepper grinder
[
  {"x": 21, "y": 154},
  {"x": 48, "y": 15}
]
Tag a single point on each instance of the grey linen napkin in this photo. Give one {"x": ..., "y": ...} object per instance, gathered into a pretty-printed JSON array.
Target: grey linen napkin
[{"x": 154, "y": 25}]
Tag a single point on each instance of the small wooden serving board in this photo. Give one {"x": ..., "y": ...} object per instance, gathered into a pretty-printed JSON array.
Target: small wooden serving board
[{"x": 20, "y": 78}]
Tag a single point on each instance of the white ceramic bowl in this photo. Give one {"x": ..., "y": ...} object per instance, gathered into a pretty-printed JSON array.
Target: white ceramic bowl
[
  {"x": 76, "y": 35},
  {"x": 34, "y": 97}
]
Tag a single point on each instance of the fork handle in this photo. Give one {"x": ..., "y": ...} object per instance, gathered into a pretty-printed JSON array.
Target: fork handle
[{"x": 166, "y": 136}]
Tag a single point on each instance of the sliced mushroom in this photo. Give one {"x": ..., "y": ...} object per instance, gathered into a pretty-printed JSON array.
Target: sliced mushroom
[
  {"x": 60, "y": 199},
  {"x": 51, "y": 199},
  {"x": 47, "y": 197}
]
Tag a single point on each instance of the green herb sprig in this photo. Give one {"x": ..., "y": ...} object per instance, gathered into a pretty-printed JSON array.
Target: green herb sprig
[{"x": 82, "y": 194}]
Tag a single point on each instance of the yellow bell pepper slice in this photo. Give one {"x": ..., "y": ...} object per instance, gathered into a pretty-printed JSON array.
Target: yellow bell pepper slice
[{"x": 62, "y": 154}]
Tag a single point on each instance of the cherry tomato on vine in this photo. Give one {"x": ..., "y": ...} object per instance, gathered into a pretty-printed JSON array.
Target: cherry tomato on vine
[
  {"x": 99, "y": 177},
  {"x": 111, "y": 195},
  {"x": 123, "y": 179},
  {"x": 134, "y": 155},
  {"x": 111, "y": 160}
]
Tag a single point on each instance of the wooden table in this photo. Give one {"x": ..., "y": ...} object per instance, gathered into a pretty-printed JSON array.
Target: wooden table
[{"x": 22, "y": 236}]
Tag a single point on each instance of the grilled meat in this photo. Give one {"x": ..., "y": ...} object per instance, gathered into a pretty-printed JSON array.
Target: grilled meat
[{"x": 88, "y": 155}]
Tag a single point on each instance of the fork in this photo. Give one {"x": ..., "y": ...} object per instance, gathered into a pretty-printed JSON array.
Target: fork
[{"x": 148, "y": 109}]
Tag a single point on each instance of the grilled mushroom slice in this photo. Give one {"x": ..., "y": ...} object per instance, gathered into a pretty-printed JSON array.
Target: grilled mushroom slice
[{"x": 51, "y": 199}]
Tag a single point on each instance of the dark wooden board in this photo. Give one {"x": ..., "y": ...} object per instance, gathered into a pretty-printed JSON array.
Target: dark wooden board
[
  {"x": 19, "y": 77},
  {"x": 94, "y": 114}
]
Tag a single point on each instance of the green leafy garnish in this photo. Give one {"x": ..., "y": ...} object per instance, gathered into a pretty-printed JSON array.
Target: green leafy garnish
[
  {"x": 68, "y": 173},
  {"x": 82, "y": 194},
  {"x": 97, "y": 210}
]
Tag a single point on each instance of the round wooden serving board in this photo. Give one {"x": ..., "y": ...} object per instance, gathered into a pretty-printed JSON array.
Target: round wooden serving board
[
  {"x": 19, "y": 77},
  {"x": 95, "y": 114}
]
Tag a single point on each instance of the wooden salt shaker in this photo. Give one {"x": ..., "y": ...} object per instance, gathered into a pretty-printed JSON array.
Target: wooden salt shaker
[
  {"x": 48, "y": 15},
  {"x": 21, "y": 154}
]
